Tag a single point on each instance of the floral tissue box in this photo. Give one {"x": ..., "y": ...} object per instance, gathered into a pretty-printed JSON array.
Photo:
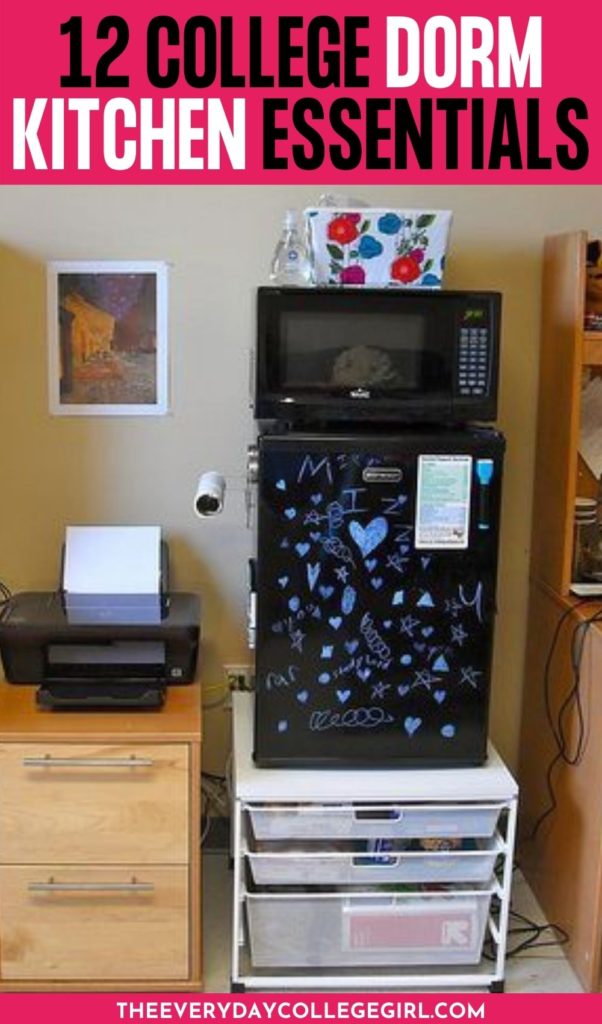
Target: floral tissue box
[{"x": 378, "y": 247}]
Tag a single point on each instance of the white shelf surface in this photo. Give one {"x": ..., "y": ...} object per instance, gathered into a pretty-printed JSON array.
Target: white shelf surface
[{"x": 490, "y": 782}]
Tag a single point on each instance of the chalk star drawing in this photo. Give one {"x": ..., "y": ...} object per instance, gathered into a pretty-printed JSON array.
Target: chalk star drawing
[
  {"x": 422, "y": 677},
  {"x": 379, "y": 691},
  {"x": 397, "y": 562},
  {"x": 470, "y": 675},
  {"x": 342, "y": 572},
  {"x": 407, "y": 625},
  {"x": 458, "y": 634},
  {"x": 297, "y": 636},
  {"x": 453, "y": 607}
]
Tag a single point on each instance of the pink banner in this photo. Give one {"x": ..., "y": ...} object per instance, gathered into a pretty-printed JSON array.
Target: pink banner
[
  {"x": 282, "y": 1009},
  {"x": 379, "y": 93}
]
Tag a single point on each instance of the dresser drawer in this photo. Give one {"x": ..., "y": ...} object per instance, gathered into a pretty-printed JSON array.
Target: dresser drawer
[
  {"x": 72, "y": 804},
  {"x": 87, "y": 924}
]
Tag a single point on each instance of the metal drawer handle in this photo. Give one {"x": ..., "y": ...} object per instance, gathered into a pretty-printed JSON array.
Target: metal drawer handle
[
  {"x": 87, "y": 762},
  {"x": 52, "y": 886}
]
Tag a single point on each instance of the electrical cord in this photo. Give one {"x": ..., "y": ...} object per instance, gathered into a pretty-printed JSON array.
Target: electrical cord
[
  {"x": 533, "y": 932},
  {"x": 558, "y": 722},
  {"x": 5, "y": 598}
]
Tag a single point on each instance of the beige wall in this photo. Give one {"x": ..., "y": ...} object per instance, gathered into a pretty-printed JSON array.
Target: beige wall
[{"x": 218, "y": 241}]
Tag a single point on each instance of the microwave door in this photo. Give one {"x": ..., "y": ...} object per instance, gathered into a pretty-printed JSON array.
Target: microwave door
[{"x": 373, "y": 647}]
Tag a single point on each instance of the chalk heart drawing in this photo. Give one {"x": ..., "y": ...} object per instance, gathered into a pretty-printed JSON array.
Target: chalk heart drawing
[
  {"x": 313, "y": 571},
  {"x": 403, "y": 689},
  {"x": 326, "y": 592},
  {"x": 302, "y": 549},
  {"x": 406, "y": 659},
  {"x": 440, "y": 696},
  {"x": 369, "y": 537},
  {"x": 282, "y": 725},
  {"x": 290, "y": 513},
  {"x": 294, "y": 604},
  {"x": 281, "y": 485},
  {"x": 377, "y": 582},
  {"x": 315, "y": 536},
  {"x": 316, "y": 499},
  {"x": 387, "y": 624},
  {"x": 351, "y": 646},
  {"x": 364, "y": 674},
  {"x": 448, "y": 731},
  {"x": 343, "y": 695},
  {"x": 428, "y": 630},
  {"x": 371, "y": 564},
  {"x": 335, "y": 621},
  {"x": 303, "y": 696},
  {"x": 324, "y": 678},
  {"x": 282, "y": 581},
  {"x": 412, "y": 725}
]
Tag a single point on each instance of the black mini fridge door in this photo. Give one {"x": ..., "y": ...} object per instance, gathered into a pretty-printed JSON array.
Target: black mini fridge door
[{"x": 376, "y": 576}]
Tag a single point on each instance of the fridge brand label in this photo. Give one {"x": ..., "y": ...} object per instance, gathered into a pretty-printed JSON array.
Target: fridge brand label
[
  {"x": 382, "y": 475},
  {"x": 443, "y": 501}
]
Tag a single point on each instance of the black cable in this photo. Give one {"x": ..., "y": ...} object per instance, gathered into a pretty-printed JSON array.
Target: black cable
[
  {"x": 534, "y": 931},
  {"x": 572, "y": 701}
]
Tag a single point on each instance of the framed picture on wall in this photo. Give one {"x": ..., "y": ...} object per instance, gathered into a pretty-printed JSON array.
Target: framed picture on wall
[{"x": 107, "y": 338}]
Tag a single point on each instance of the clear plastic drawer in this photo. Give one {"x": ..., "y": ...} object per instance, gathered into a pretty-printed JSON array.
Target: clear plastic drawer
[
  {"x": 356, "y": 821},
  {"x": 328, "y": 930}
]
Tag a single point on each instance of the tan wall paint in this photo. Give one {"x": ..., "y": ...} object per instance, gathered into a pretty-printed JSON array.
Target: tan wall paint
[{"x": 218, "y": 240}]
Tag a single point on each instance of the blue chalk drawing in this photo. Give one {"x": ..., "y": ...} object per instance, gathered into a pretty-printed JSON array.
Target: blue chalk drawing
[
  {"x": 324, "y": 678},
  {"x": 398, "y": 597},
  {"x": 427, "y": 631},
  {"x": 327, "y": 651},
  {"x": 448, "y": 731},
  {"x": 351, "y": 646},
  {"x": 393, "y": 506},
  {"x": 377, "y": 582},
  {"x": 281, "y": 485},
  {"x": 403, "y": 689},
  {"x": 440, "y": 696},
  {"x": 297, "y": 637},
  {"x": 406, "y": 659},
  {"x": 348, "y": 600},
  {"x": 476, "y": 601},
  {"x": 315, "y": 536},
  {"x": 441, "y": 664},
  {"x": 290, "y": 513},
  {"x": 325, "y": 591},
  {"x": 282, "y": 725},
  {"x": 425, "y": 561},
  {"x": 278, "y": 627},
  {"x": 342, "y": 573},
  {"x": 285, "y": 543},
  {"x": 426, "y": 601},
  {"x": 294, "y": 604},
  {"x": 371, "y": 564},
  {"x": 470, "y": 675},
  {"x": 302, "y": 549},
  {"x": 387, "y": 624},
  {"x": 412, "y": 725},
  {"x": 282, "y": 581},
  {"x": 316, "y": 499},
  {"x": 364, "y": 674},
  {"x": 420, "y": 648},
  {"x": 368, "y": 538},
  {"x": 335, "y": 621},
  {"x": 379, "y": 691},
  {"x": 343, "y": 696},
  {"x": 407, "y": 625},
  {"x": 313, "y": 467},
  {"x": 313, "y": 571},
  {"x": 458, "y": 635},
  {"x": 316, "y": 613},
  {"x": 302, "y": 696}
]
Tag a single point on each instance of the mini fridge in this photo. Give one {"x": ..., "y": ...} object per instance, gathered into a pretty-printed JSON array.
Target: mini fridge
[{"x": 376, "y": 577}]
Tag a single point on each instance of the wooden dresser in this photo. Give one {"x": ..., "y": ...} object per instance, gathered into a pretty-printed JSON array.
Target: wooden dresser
[{"x": 99, "y": 846}]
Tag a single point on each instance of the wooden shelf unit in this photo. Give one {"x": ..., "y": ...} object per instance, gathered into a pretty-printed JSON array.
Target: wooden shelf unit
[
  {"x": 99, "y": 846},
  {"x": 563, "y": 861}
]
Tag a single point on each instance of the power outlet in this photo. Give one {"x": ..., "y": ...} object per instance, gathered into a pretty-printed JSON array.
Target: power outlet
[{"x": 238, "y": 677}]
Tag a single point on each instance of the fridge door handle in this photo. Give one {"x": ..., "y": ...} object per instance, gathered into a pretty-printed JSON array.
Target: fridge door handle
[{"x": 377, "y": 814}]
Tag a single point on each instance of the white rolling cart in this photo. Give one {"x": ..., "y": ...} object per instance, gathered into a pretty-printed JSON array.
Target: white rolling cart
[{"x": 333, "y": 886}]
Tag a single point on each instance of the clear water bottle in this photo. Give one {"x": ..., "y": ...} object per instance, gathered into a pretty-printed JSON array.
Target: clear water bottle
[{"x": 290, "y": 264}]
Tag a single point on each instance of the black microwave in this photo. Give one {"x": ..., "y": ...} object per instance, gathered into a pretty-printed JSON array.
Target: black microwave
[{"x": 347, "y": 354}]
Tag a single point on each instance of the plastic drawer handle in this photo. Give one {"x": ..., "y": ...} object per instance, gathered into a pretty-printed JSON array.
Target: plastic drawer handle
[
  {"x": 375, "y": 861},
  {"x": 87, "y": 762},
  {"x": 378, "y": 815}
]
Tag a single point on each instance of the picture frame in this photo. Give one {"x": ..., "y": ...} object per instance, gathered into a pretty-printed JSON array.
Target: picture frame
[{"x": 107, "y": 337}]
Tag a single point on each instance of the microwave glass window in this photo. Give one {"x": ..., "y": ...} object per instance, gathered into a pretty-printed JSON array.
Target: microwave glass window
[{"x": 363, "y": 350}]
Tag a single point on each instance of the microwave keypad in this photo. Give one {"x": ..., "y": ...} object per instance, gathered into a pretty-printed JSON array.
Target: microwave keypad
[{"x": 473, "y": 363}]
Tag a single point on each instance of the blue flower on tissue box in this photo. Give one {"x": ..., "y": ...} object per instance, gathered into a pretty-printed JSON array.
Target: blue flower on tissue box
[{"x": 378, "y": 247}]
